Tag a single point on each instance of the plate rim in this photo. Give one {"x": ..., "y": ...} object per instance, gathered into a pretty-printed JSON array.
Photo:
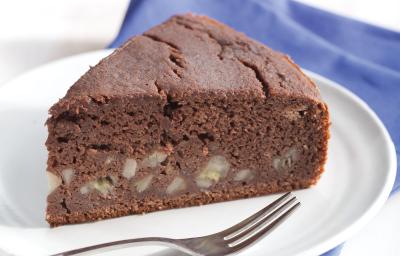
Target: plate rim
[
  {"x": 356, "y": 224},
  {"x": 381, "y": 198}
]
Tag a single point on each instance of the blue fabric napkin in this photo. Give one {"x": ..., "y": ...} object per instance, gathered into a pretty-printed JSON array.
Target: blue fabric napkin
[{"x": 362, "y": 57}]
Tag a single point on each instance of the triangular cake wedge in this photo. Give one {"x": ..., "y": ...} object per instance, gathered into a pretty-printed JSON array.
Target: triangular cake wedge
[{"x": 189, "y": 113}]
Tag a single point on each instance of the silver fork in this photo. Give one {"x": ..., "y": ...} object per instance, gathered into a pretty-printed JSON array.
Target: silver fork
[{"x": 228, "y": 241}]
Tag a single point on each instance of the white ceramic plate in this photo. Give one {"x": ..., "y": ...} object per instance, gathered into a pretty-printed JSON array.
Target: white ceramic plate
[{"x": 359, "y": 175}]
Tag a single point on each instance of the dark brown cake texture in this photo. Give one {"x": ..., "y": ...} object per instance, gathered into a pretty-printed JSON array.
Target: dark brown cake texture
[{"x": 189, "y": 113}]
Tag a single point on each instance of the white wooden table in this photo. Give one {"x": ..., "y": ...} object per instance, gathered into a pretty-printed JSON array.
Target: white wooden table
[{"x": 35, "y": 32}]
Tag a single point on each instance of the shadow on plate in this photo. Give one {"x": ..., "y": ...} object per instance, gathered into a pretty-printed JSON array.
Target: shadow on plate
[
  {"x": 23, "y": 184},
  {"x": 169, "y": 252}
]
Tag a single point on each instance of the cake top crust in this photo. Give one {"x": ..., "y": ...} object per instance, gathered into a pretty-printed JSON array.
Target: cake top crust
[{"x": 190, "y": 55}]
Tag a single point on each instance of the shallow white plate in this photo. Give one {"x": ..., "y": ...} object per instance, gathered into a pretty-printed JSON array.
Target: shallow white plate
[{"x": 359, "y": 175}]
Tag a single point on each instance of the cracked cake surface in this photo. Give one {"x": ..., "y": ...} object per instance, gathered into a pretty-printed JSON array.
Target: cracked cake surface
[{"x": 189, "y": 113}]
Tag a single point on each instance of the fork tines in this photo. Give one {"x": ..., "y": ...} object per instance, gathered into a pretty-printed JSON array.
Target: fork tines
[{"x": 261, "y": 223}]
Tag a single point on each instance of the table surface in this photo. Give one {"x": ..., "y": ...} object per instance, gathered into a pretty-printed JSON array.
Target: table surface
[{"x": 36, "y": 32}]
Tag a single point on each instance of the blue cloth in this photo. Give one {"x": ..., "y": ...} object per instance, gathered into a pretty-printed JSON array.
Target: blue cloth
[{"x": 362, "y": 57}]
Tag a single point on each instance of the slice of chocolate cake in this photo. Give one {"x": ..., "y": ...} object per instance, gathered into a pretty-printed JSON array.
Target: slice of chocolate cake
[{"x": 189, "y": 113}]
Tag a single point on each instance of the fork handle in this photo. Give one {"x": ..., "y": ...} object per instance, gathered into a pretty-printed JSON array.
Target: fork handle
[{"x": 105, "y": 247}]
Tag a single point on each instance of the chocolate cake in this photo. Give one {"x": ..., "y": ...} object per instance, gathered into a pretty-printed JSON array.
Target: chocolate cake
[{"x": 189, "y": 113}]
